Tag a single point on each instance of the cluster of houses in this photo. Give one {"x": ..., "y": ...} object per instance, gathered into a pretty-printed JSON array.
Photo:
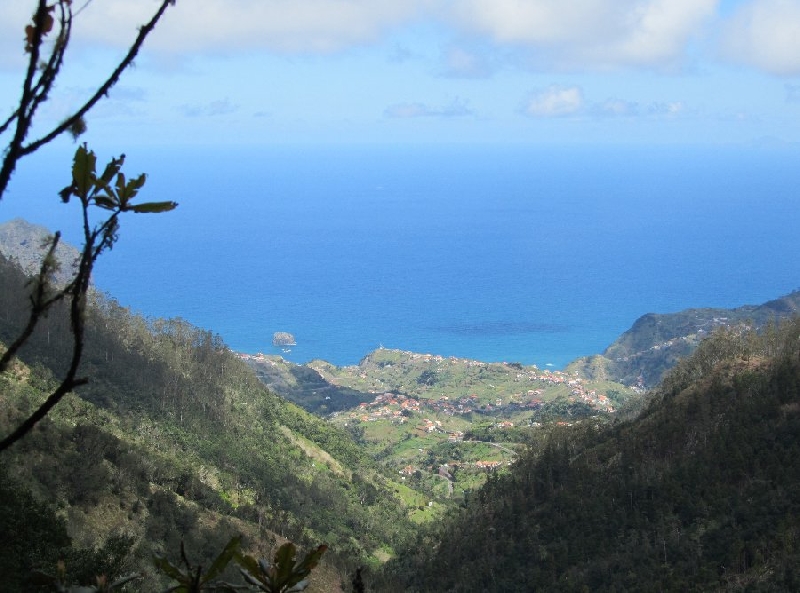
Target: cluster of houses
[
  {"x": 386, "y": 406},
  {"x": 260, "y": 357},
  {"x": 398, "y": 407},
  {"x": 392, "y": 406},
  {"x": 589, "y": 396},
  {"x": 578, "y": 391}
]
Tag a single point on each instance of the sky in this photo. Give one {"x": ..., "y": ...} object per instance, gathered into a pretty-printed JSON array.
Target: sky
[{"x": 481, "y": 71}]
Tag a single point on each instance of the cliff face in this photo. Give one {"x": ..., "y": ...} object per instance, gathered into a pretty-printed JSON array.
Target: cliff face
[
  {"x": 655, "y": 342},
  {"x": 27, "y": 243}
]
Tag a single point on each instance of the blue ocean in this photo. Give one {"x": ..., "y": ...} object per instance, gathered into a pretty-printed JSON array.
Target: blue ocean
[{"x": 498, "y": 253}]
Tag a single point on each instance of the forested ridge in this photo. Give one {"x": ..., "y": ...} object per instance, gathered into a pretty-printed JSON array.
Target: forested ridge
[
  {"x": 174, "y": 438},
  {"x": 656, "y": 342},
  {"x": 700, "y": 492}
]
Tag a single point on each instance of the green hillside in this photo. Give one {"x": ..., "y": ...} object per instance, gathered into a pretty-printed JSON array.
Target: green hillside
[
  {"x": 175, "y": 438},
  {"x": 699, "y": 493},
  {"x": 656, "y": 342}
]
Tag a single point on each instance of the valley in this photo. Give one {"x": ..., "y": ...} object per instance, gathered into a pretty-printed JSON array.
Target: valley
[
  {"x": 176, "y": 438},
  {"x": 426, "y": 417}
]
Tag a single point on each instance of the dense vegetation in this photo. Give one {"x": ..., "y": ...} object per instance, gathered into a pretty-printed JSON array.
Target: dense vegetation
[
  {"x": 701, "y": 492},
  {"x": 175, "y": 438}
]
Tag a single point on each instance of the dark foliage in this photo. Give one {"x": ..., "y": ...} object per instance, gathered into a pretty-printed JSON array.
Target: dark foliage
[
  {"x": 702, "y": 492},
  {"x": 32, "y": 536}
]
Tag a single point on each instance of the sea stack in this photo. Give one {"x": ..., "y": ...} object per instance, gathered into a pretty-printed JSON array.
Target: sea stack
[{"x": 283, "y": 339}]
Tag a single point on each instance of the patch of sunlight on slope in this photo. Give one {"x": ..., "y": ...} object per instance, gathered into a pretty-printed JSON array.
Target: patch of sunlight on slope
[{"x": 313, "y": 451}]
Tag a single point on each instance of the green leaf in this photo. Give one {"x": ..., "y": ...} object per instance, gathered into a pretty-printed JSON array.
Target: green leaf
[
  {"x": 111, "y": 169},
  {"x": 105, "y": 202},
  {"x": 223, "y": 559},
  {"x": 66, "y": 194},
  {"x": 284, "y": 561},
  {"x": 152, "y": 207},
  {"x": 312, "y": 559},
  {"x": 127, "y": 190},
  {"x": 249, "y": 566},
  {"x": 248, "y": 576},
  {"x": 168, "y": 569},
  {"x": 83, "y": 171},
  {"x": 265, "y": 568},
  {"x": 301, "y": 586},
  {"x": 121, "y": 193},
  {"x": 137, "y": 182}
]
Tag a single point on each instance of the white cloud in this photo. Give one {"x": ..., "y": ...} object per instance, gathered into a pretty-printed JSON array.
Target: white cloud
[
  {"x": 765, "y": 34},
  {"x": 459, "y": 61},
  {"x": 456, "y": 108},
  {"x": 592, "y": 33},
  {"x": 566, "y": 101},
  {"x": 550, "y": 34},
  {"x": 211, "y": 109},
  {"x": 295, "y": 26},
  {"x": 577, "y": 33},
  {"x": 554, "y": 101},
  {"x": 668, "y": 109},
  {"x": 615, "y": 108}
]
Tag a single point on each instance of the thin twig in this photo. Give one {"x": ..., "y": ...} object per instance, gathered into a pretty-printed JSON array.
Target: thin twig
[
  {"x": 105, "y": 87},
  {"x": 14, "y": 150},
  {"x": 40, "y": 303}
]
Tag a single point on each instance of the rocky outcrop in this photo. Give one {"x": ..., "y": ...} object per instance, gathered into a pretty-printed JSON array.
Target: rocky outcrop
[
  {"x": 283, "y": 339},
  {"x": 26, "y": 244}
]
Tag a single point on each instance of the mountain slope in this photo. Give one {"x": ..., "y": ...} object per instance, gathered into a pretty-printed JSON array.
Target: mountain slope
[
  {"x": 656, "y": 342},
  {"x": 174, "y": 437},
  {"x": 701, "y": 492}
]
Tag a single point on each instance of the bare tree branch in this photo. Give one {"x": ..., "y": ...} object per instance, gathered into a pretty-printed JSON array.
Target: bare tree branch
[
  {"x": 41, "y": 302},
  {"x": 106, "y": 86},
  {"x": 23, "y": 115},
  {"x": 35, "y": 92}
]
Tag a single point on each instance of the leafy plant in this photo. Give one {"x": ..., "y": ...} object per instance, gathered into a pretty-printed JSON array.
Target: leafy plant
[
  {"x": 99, "y": 191},
  {"x": 91, "y": 191},
  {"x": 284, "y": 575},
  {"x": 191, "y": 579},
  {"x": 41, "y": 74}
]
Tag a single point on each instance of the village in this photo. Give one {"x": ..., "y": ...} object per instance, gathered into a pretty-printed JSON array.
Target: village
[
  {"x": 398, "y": 407},
  {"x": 433, "y": 418}
]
